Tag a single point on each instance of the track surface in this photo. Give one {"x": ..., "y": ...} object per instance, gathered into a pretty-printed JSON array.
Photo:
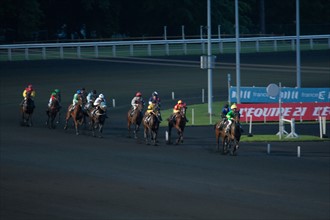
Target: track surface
[{"x": 54, "y": 174}]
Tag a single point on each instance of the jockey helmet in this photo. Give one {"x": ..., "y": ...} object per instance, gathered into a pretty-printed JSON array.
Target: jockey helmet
[
  {"x": 155, "y": 93},
  {"x": 138, "y": 94},
  {"x": 234, "y": 106},
  {"x": 78, "y": 91},
  {"x": 150, "y": 107},
  {"x": 30, "y": 86},
  {"x": 54, "y": 93},
  {"x": 226, "y": 106},
  {"x": 101, "y": 96},
  {"x": 180, "y": 102},
  {"x": 57, "y": 91}
]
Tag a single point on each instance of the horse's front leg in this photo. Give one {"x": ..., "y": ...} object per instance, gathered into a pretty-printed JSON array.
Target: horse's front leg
[
  {"x": 154, "y": 137},
  {"x": 68, "y": 115},
  {"x": 92, "y": 127},
  {"x": 76, "y": 124},
  {"x": 30, "y": 120},
  {"x": 146, "y": 138},
  {"x": 136, "y": 129},
  {"x": 235, "y": 147},
  {"x": 180, "y": 136},
  {"x": 224, "y": 145},
  {"x": 59, "y": 118}
]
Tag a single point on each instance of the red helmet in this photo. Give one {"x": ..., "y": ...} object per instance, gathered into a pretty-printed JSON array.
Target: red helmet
[
  {"x": 138, "y": 94},
  {"x": 30, "y": 86}
]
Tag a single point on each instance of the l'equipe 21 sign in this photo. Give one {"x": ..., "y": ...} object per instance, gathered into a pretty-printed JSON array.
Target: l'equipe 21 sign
[{"x": 270, "y": 112}]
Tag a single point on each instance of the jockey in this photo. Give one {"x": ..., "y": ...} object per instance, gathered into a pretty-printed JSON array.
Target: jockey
[
  {"x": 155, "y": 101},
  {"x": 136, "y": 101},
  {"x": 29, "y": 90},
  {"x": 225, "y": 111},
  {"x": 154, "y": 109},
  {"x": 91, "y": 97},
  {"x": 75, "y": 99},
  {"x": 230, "y": 115},
  {"x": 177, "y": 108},
  {"x": 58, "y": 95},
  {"x": 99, "y": 102},
  {"x": 154, "y": 98},
  {"x": 52, "y": 98}
]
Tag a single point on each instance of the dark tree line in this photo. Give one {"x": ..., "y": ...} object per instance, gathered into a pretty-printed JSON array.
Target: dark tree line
[{"x": 26, "y": 20}]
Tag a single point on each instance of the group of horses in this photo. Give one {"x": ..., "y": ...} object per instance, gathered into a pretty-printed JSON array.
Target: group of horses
[
  {"x": 79, "y": 114},
  {"x": 135, "y": 117},
  {"x": 151, "y": 124}
]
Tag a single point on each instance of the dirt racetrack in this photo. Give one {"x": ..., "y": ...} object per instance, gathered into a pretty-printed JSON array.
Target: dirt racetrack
[{"x": 54, "y": 174}]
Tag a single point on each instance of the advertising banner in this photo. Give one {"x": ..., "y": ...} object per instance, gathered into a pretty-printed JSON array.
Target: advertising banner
[
  {"x": 259, "y": 95},
  {"x": 298, "y": 111}
]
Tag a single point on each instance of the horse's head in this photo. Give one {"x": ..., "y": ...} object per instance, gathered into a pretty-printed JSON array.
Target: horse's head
[
  {"x": 183, "y": 111},
  {"x": 237, "y": 116},
  {"x": 103, "y": 107},
  {"x": 140, "y": 106},
  {"x": 80, "y": 101}
]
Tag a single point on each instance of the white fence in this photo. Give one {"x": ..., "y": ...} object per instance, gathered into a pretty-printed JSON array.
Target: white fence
[{"x": 158, "y": 47}]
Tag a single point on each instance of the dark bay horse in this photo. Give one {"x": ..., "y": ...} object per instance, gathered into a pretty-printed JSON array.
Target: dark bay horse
[
  {"x": 26, "y": 110},
  {"x": 97, "y": 119},
  {"x": 77, "y": 115},
  {"x": 229, "y": 140},
  {"x": 52, "y": 112},
  {"x": 134, "y": 118},
  {"x": 151, "y": 126},
  {"x": 179, "y": 122}
]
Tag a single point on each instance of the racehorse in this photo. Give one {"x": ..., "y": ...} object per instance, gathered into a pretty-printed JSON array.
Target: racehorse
[
  {"x": 179, "y": 122},
  {"x": 26, "y": 109},
  {"x": 151, "y": 126},
  {"x": 134, "y": 117},
  {"x": 97, "y": 119},
  {"x": 76, "y": 114},
  {"x": 229, "y": 140},
  {"x": 52, "y": 112}
]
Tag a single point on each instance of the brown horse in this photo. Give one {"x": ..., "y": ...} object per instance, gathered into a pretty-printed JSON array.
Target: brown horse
[
  {"x": 77, "y": 115},
  {"x": 52, "y": 112},
  {"x": 229, "y": 140},
  {"x": 97, "y": 119},
  {"x": 134, "y": 117},
  {"x": 179, "y": 122},
  {"x": 26, "y": 110},
  {"x": 151, "y": 126}
]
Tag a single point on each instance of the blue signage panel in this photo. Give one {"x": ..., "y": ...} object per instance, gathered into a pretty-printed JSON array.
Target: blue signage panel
[{"x": 259, "y": 95}]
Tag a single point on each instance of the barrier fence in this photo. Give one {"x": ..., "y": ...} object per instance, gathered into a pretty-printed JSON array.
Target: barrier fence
[{"x": 166, "y": 47}]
